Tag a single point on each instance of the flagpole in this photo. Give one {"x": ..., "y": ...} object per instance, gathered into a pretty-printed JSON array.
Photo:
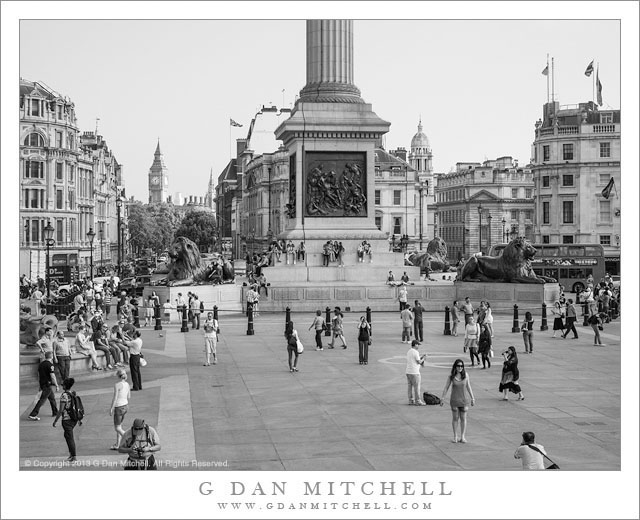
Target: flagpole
[
  {"x": 547, "y": 78},
  {"x": 593, "y": 87},
  {"x": 553, "y": 88},
  {"x": 230, "y": 149}
]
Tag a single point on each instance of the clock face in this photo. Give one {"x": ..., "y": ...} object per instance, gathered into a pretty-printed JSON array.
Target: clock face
[{"x": 155, "y": 180}]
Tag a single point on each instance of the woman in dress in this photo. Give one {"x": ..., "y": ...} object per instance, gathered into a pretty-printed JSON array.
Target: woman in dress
[
  {"x": 458, "y": 380},
  {"x": 484, "y": 346},
  {"x": 84, "y": 345},
  {"x": 336, "y": 328},
  {"x": 527, "y": 333},
  {"x": 292, "y": 346},
  {"x": 119, "y": 404},
  {"x": 471, "y": 336},
  {"x": 558, "y": 318},
  {"x": 364, "y": 335},
  {"x": 510, "y": 374}
]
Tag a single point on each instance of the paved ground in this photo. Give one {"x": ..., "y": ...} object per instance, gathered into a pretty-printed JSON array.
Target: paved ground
[{"x": 250, "y": 413}]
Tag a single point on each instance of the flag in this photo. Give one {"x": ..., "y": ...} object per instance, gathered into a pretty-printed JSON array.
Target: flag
[
  {"x": 599, "y": 87},
  {"x": 607, "y": 190},
  {"x": 545, "y": 72},
  {"x": 589, "y": 70},
  {"x": 233, "y": 123}
]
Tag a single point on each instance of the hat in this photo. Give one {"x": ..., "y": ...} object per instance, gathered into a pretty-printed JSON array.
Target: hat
[
  {"x": 336, "y": 309},
  {"x": 415, "y": 342},
  {"x": 138, "y": 424}
]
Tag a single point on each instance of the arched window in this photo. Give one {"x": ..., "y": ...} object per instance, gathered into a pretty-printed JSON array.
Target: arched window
[{"x": 34, "y": 140}]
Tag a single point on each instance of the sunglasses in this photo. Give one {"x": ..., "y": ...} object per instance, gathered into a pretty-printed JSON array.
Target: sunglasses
[{"x": 459, "y": 366}]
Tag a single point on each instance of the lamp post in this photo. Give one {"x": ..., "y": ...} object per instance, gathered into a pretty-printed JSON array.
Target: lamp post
[
  {"x": 119, "y": 206},
  {"x": 101, "y": 239},
  {"x": 49, "y": 242},
  {"x": 91, "y": 234},
  {"x": 406, "y": 201},
  {"x": 489, "y": 217},
  {"x": 420, "y": 189},
  {"x": 504, "y": 221},
  {"x": 480, "y": 228}
]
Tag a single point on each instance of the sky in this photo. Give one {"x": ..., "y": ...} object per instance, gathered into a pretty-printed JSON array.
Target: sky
[{"x": 476, "y": 84}]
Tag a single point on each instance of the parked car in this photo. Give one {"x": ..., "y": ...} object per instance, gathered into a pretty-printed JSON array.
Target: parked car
[{"x": 140, "y": 281}]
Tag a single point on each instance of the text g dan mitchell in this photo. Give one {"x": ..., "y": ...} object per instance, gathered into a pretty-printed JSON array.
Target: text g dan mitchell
[{"x": 329, "y": 488}]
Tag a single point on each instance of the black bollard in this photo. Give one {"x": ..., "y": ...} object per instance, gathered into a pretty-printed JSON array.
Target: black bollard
[
  {"x": 327, "y": 320},
  {"x": 585, "y": 314},
  {"x": 447, "y": 322},
  {"x": 544, "y": 325},
  {"x": 215, "y": 315},
  {"x": 156, "y": 315},
  {"x": 369, "y": 321},
  {"x": 185, "y": 320},
  {"x": 287, "y": 317},
  {"x": 516, "y": 325},
  {"x": 250, "y": 331}
]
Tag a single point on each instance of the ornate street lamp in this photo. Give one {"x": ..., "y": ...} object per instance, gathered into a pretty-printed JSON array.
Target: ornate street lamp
[
  {"x": 101, "y": 239},
  {"x": 480, "y": 228},
  {"x": 91, "y": 235},
  {"x": 504, "y": 221},
  {"x": 119, "y": 206},
  {"x": 489, "y": 217},
  {"x": 49, "y": 242}
]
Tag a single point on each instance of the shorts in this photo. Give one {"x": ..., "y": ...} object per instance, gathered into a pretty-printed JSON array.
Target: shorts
[{"x": 118, "y": 414}]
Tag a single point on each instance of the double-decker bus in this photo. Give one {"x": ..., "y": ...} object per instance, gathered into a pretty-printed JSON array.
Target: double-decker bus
[{"x": 570, "y": 264}]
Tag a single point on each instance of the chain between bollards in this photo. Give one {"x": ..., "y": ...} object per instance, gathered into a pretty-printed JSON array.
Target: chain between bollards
[
  {"x": 516, "y": 325},
  {"x": 447, "y": 321},
  {"x": 250, "y": 331}
]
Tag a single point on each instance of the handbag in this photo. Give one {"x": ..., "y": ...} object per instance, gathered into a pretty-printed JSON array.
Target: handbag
[
  {"x": 143, "y": 362},
  {"x": 300, "y": 346},
  {"x": 553, "y": 464}
]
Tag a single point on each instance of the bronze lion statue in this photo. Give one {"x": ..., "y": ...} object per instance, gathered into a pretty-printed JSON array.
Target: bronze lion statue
[
  {"x": 32, "y": 327},
  {"x": 435, "y": 259},
  {"x": 186, "y": 266},
  {"x": 513, "y": 266}
]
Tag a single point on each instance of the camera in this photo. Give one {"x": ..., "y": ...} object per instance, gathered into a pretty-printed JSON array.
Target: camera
[{"x": 505, "y": 353}]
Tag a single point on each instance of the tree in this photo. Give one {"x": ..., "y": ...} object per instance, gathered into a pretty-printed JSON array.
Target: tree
[
  {"x": 199, "y": 226},
  {"x": 152, "y": 225}
]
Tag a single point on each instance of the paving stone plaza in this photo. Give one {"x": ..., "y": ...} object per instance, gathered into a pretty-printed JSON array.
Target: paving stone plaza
[{"x": 249, "y": 412}]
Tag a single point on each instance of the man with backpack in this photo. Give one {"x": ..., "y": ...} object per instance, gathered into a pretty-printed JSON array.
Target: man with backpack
[
  {"x": 71, "y": 411},
  {"x": 140, "y": 442}
]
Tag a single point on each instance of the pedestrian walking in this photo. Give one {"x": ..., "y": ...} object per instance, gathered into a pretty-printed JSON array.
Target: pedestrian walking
[
  {"x": 531, "y": 454},
  {"x": 414, "y": 362},
  {"x": 319, "y": 326},
  {"x": 62, "y": 355},
  {"x": 455, "y": 318},
  {"x": 510, "y": 374},
  {"x": 571, "y": 320},
  {"x": 484, "y": 346},
  {"x": 140, "y": 442},
  {"x": 527, "y": 332},
  {"x": 596, "y": 322},
  {"x": 68, "y": 423},
  {"x": 558, "y": 313},
  {"x": 120, "y": 404},
  {"x": 488, "y": 318},
  {"x": 195, "y": 312},
  {"x": 364, "y": 339},
  {"x": 460, "y": 385},
  {"x": 47, "y": 380},
  {"x": 407, "y": 324},
  {"x": 402, "y": 297},
  {"x": 291, "y": 335},
  {"x": 135, "y": 355},
  {"x": 148, "y": 312},
  {"x": 467, "y": 308},
  {"x": 107, "y": 302},
  {"x": 336, "y": 328},
  {"x": 340, "y": 254},
  {"x": 181, "y": 305},
  {"x": 418, "y": 327},
  {"x": 210, "y": 340},
  {"x": 471, "y": 336}
]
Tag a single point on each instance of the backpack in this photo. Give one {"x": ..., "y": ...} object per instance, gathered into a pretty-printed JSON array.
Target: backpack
[
  {"x": 201, "y": 306},
  {"x": 75, "y": 408},
  {"x": 430, "y": 398}
]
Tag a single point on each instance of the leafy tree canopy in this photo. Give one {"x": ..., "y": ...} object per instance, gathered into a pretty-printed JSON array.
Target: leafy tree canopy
[{"x": 199, "y": 226}]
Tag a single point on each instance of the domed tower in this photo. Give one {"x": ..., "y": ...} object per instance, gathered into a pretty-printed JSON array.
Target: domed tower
[{"x": 420, "y": 158}]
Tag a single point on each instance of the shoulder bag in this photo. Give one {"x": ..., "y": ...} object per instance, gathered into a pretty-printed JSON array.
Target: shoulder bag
[{"x": 553, "y": 464}]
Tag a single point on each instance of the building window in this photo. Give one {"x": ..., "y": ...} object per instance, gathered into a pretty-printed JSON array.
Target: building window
[
  {"x": 567, "y": 152},
  {"x": 397, "y": 225},
  {"x": 528, "y": 193},
  {"x": 606, "y": 118},
  {"x": 59, "y": 199},
  {"x": 34, "y": 140},
  {"x": 567, "y": 239},
  {"x": 545, "y": 181},
  {"x": 379, "y": 222},
  {"x": 605, "y": 149},
  {"x": 58, "y": 139},
  {"x": 546, "y": 153},
  {"x": 567, "y": 212},
  {"x": 59, "y": 175},
  {"x": 396, "y": 197},
  {"x": 605, "y": 211},
  {"x": 545, "y": 213},
  {"x": 605, "y": 240},
  {"x": 545, "y": 239},
  {"x": 377, "y": 194},
  {"x": 514, "y": 214},
  {"x": 567, "y": 180},
  {"x": 35, "y": 231},
  {"x": 604, "y": 178},
  {"x": 59, "y": 230},
  {"x": 72, "y": 173},
  {"x": 528, "y": 214},
  {"x": 514, "y": 193},
  {"x": 72, "y": 198},
  {"x": 34, "y": 170},
  {"x": 35, "y": 107}
]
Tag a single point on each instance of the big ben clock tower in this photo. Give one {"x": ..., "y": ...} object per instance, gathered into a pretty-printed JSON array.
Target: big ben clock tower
[{"x": 158, "y": 178}]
